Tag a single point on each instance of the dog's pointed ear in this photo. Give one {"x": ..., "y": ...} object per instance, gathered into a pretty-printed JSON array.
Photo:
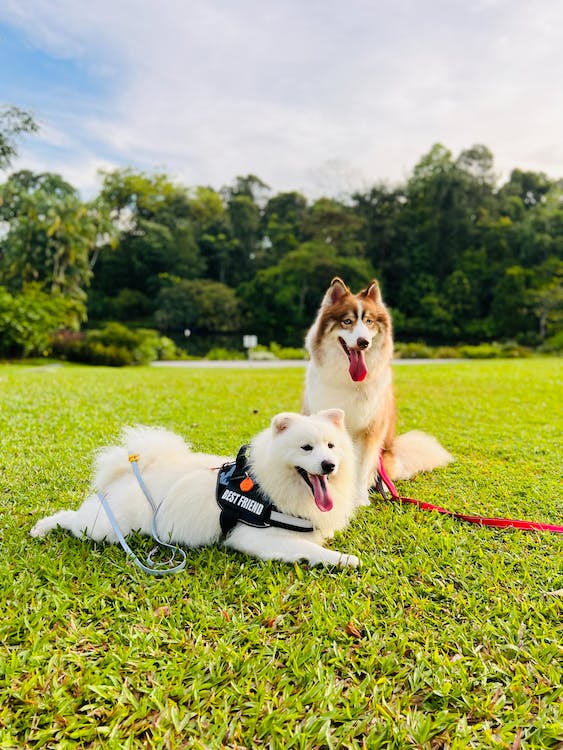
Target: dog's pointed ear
[
  {"x": 336, "y": 291},
  {"x": 336, "y": 416},
  {"x": 281, "y": 422},
  {"x": 372, "y": 292}
]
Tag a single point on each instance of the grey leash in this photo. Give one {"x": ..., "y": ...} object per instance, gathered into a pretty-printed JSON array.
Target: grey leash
[{"x": 151, "y": 566}]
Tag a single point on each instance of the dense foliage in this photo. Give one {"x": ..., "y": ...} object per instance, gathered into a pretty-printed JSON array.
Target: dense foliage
[{"x": 459, "y": 258}]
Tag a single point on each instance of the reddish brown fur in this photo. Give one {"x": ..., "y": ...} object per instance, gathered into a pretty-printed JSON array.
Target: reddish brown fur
[{"x": 369, "y": 402}]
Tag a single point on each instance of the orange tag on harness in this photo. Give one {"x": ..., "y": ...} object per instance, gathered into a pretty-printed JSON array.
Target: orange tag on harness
[{"x": 247, "y": 484}]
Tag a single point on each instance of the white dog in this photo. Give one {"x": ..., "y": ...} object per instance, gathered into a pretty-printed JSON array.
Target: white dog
[{"x": 293, "y": 487}]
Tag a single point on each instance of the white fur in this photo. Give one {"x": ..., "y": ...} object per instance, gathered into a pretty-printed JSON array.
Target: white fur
[
  {"x": 416, "y": 451},
  {"x": 183, "y": 484}
]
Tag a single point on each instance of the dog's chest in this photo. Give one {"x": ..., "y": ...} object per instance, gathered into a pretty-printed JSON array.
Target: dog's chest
[{"x": 361, "y": 402}]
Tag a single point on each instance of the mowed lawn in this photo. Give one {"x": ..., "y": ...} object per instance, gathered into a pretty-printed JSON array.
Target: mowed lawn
[{"x": 448, "y": 636}]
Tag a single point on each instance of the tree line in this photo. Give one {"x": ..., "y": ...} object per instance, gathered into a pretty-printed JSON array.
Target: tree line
[{"x": 459, "y": 257}]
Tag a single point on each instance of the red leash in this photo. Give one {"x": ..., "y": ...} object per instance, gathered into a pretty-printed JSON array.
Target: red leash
[{"x": 497, "y": 523}]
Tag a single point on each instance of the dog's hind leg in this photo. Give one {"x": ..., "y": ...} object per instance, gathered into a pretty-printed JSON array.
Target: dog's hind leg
[
  {"x": 64, "y": 519},
  {"x": 90, "y": 519}
]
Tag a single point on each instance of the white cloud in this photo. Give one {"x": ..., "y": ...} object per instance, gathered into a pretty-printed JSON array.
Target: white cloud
[
  {"x": 208, "y": 90},
  {"x": 81, "y": 170}
]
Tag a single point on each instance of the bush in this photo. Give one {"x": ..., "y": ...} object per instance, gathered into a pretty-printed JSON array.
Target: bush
[
  {"x": 220, "y": 353},
  {"x": 481, "y": 351},
  {"x": 29, "y": 319},
  {"x": 553, "y": 345},
  {"x": 414, "y": 350},
  {"x": 512, "y": 350},
  {"x": 261, "y": 354},
  {"x": 507, "y": 350},
  {"x": 167, "y": 349},
  {"x": 115, "y": 346},
  {"x": 77, "y": 348},
  {"x": 287, "y": 352},
  {"x": 110, "y": 356},
  {"x": 446, "y": 352}
]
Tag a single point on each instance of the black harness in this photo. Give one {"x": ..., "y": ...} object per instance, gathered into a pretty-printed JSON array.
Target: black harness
[{"x": 242, "y": 501}]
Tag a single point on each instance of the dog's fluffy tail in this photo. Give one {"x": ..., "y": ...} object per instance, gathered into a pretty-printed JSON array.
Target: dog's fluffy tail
[
  {"x": 414, "y": 452},
  {"x": 150, "y": 444}
]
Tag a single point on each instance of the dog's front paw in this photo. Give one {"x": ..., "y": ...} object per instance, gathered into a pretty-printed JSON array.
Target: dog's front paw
[
  {"x": 42, "y": 527},
  {"x": 363, "y": 499},
  {"x": 349, "y": 561}
]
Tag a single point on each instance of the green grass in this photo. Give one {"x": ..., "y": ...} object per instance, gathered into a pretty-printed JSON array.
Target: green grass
[{"x": 448, "y": 636}]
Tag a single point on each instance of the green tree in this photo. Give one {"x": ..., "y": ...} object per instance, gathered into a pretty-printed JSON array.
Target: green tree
[
  {"x": 200, "y": 305},
  {"x": 155, "y": 236},
  {"x": 51, "y": 235},
  {"x": 334, "y": 223},
  {"x": 282, "y": 221},
  {"x": 459, "y": 301},
  {"x": 510, "y": 306},
  {"x": 246, "y": 250},
  {"x": 445, "y": 201},
  {"x": 383, "y": 235},
  {"x": 212, "y": 231},
  {"x": 477, "y": 163},
  {"x": 546, "y": 298},
  {"x": 14, "y": 122},
  {"x": 280, "y": 302},
  {"x": 528, "y": 187}
]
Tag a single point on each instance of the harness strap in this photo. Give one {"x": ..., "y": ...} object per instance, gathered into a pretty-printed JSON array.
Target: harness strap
[
  {"x": 384, "y": 485},
  {"x": 228, "y": 519},
  {"x": 242, "y": 501},
  {"x": 151, "y": 566}
]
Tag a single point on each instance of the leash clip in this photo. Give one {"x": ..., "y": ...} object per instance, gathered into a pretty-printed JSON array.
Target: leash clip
[{"x": 381, "y": 487}]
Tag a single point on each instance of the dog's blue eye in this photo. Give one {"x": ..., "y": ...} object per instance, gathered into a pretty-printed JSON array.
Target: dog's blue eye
[
  {"x": 347, "y": 322},
  {"x": 307, "y": 447},
  {"x": 331, "y": 445}
]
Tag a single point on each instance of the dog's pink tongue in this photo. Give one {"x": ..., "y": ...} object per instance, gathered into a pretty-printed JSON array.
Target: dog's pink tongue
[
  {"x": 320, "y": 492},
  {"x": 358, "y": 368}
]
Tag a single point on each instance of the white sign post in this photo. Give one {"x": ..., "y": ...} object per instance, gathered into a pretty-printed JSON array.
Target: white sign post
[{"x": 249, "y": 342}]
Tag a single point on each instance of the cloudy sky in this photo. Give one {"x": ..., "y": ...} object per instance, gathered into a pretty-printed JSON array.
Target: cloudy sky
[{"x": 321, "y": 96}]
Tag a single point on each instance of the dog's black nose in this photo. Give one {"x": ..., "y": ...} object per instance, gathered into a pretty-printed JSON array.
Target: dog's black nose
[
  {"x": 362, "y": 343},
  {"x": 328, "y": 467}
]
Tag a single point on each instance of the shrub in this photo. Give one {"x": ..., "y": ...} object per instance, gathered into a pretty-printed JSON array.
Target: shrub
[
  {"x": 145, "y": 344},
  {"x": 28, "y": 320},
  {"x": 115, "y": 334},
  {"x": 414, "y": 350},
  {"x": 513, "y": 350},
  {"x": 287, "y": 352},
  {"x": 167, "y": 349},
  {"x": 261, "y": 354},
  {"x": 481, "y": 351},
  {"x": 220, "y": 353},
  {"x": 446, "y": 352},
  {"x": 76, "y": 347},
  {"x": 115, "y": 345},
  {"x": 554, "y": 344},
  {"x": 110, "y": 356}
]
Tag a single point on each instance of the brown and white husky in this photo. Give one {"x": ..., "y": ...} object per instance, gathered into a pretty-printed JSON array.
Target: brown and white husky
[{"x": 351, "y": 348}]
